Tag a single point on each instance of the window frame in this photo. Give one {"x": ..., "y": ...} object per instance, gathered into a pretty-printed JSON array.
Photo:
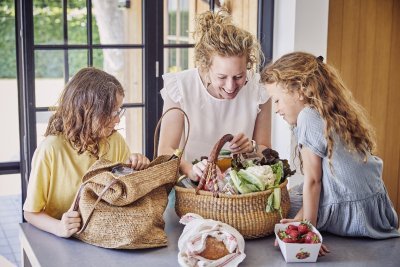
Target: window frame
[{"x": 153, "y": 56}]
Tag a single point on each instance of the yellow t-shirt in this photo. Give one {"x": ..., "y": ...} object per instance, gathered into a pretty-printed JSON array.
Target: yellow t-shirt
[{"x": 57, "y": 170}]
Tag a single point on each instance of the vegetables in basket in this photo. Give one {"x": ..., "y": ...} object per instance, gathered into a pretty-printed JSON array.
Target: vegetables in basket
[
  {"x": 252, "y": 176},
  {"x": 247, "y": 175}
]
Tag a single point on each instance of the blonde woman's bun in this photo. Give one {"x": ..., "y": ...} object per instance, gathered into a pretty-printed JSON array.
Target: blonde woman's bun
[
  {"x": 216, "y": 34},
  {"x": 210, "y": 22}
]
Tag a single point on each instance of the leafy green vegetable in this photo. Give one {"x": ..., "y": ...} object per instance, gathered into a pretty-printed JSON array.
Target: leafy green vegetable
[
  {"x": 252, "y": 179},
  {"x": 239, "y": 184},
  {"x": 277, "y": 198},
  {"x": 278, "y": 171},
  {"x": 270, "y": 207}
]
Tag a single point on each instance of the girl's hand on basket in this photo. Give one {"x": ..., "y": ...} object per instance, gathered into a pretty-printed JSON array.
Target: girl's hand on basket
[
  {"x": 240, "y": 144},
  {"x": 70, "y": 223},
  {"x": 138, "y": 161}
]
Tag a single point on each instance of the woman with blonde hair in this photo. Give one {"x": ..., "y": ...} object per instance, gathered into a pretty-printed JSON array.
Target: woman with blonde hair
[
  {"x": 221, "y": 95},
  {"x": 343, "y": 191}
]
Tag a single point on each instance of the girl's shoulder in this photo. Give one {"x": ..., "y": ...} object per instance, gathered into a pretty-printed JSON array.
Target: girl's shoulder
[
  {"x": 116, "y": 137},
  {"x": 51, "y": 145},
  {"x": 309, "y": 113},
  {"x": 53, "y": 142},
  {"x": 309, "y": 116},
  {"x": 310, "y": 131}
]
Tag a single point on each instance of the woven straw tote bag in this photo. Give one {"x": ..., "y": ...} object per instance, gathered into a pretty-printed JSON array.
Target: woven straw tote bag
[
  {"x": 245, "y": 212},
  {"x": 126, "y": 212}
]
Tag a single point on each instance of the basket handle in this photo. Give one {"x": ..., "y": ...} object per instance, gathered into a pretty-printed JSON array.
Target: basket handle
[
  {"x": 218, "y": 146},
  {"x": 156, "y": 132},
  {"x": 100, "y": 196}
]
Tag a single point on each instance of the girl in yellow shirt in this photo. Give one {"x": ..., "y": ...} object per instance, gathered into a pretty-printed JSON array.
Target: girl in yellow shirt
[{"x": 80, "y": 132}]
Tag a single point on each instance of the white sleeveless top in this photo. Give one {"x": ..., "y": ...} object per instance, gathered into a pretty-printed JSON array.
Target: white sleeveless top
[{"x": 211, "y": 118}]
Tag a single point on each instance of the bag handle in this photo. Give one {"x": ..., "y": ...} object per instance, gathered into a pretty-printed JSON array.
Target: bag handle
[
  {"x": 156, "y": 133},
  {"x": 76, "y": 204}
]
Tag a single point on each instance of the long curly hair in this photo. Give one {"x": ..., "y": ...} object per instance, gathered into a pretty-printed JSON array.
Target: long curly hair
[
  {"x": 215, "y": 34},
  {"x": 85, "y": 108},
  {"x": 324, "y": 90}
]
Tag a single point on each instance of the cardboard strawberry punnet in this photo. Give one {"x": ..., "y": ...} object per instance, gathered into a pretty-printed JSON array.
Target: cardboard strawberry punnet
[{"x": 298, "y": 241}]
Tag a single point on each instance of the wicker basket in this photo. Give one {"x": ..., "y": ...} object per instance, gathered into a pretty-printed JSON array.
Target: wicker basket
[{"x": 245, "y": 212}]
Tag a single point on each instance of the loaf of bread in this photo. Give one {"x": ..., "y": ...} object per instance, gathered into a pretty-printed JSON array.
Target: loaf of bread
[{"x": 214, "y": 249}]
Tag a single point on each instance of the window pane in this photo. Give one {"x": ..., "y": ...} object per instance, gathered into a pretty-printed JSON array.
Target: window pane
[
  {"x": 117, "y": 24},
  {"x": 126, "y": 66},
  {"x": 9, "y": 139},
  {"x": 131, "y": 128},
  {"x": 42, "y": 119},
  {"x": 47, "y": 21},
  {"x": 77, "y": 59},
  {"x": 179, "y": 21},
  {"x": 178, "y": 59},
  {"x": 48, "y": 91},
  {"x": 10, "y": 184},
  {"x": 77, "y": 22},
  {"x": 49, "y": 77}
]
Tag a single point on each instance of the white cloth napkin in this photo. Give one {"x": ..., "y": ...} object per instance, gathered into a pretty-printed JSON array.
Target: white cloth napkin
[{"x": 193, "y": 240}]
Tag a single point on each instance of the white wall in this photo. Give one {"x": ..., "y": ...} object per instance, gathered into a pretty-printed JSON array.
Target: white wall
[{"x": 299, "y": 25}]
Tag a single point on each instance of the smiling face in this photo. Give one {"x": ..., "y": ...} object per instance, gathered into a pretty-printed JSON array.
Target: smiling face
[
  {"x": 285, "y": 103},
  {"x": 227, "y": 76}
]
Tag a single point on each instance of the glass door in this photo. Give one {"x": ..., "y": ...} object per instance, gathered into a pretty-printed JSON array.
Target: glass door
[{"x": 60, "y": 37}]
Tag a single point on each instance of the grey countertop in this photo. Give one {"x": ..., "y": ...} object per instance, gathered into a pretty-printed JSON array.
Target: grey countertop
[{"x": 47, "y": 250}]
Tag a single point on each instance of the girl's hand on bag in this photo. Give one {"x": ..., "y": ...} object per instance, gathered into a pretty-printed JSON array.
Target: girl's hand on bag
[
  {"x": 240, "y": 144},
  {"x": 138, "y": 161},
  {"x": 70, "y": 223}
]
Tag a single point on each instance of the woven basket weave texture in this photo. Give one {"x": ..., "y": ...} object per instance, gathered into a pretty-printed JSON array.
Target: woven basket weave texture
[
  {"x": 244, "y": 212},
  {"x": 130, "y": 213}
]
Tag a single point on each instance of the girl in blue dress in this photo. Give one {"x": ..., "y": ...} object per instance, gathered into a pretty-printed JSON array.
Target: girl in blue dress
[{"x": 343, "y": 191}]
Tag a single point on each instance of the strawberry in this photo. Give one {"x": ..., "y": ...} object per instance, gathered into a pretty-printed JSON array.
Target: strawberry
[
  {"x": 293, "y": 234},
  {"x": 304, "y": 228},
  {"x": 311, "y": 238},
  {"x": 292, "y": 227}
]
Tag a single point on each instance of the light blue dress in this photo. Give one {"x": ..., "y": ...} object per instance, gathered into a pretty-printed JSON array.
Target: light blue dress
[{"x": 353, "y": 200}]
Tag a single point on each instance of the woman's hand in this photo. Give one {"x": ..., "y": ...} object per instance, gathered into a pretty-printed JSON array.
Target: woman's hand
[
  {"x": 138, "y": 161},
  {"x": 70, "y": 223},
  {"x": 241, "y": 144},
  {"x": 198, "y": 170}
]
